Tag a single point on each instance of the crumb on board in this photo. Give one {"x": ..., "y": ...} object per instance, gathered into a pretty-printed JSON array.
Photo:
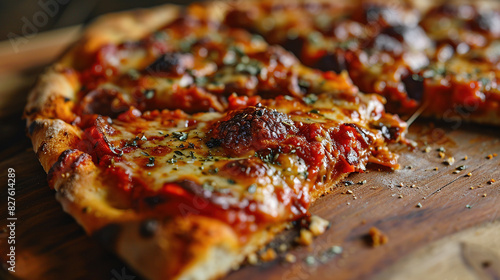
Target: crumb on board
[
  {"x": 484, "y": 195},
  {"x": 436, "y": 168},
  {"x": 468, "y": 174},
  {"x": 461, "y": 167},
  {"x": 419, "y": 205},
  {"x": 305, "y": 237},
  {"x": 377, "y": 237},
  {"x": 318, "y": 225},
  {"x": 471, "y": 188},
  {"x": 441, "y": 154},
  {"x": 427, "y": 149},
  {"x": 449, "y": 161},
  {"x": 490, "y": 156},
  {"x": 466, "y": 157},
  {"x": 290, "y": 258},
  {"x": 491, "y": 181},
  {"x": 268, "y": 255}
]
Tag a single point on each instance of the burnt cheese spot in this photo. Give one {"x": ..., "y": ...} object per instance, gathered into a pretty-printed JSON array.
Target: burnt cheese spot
[
  {"x": 170, "y": 63},
  {"x": 251, "y": 128}
]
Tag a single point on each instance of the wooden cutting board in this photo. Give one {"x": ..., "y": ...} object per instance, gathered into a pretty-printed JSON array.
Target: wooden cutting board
[{"x": 455, "y": 234}]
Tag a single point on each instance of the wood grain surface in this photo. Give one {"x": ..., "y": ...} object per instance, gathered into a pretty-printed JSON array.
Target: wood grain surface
[{"x": 455, "y": 234}]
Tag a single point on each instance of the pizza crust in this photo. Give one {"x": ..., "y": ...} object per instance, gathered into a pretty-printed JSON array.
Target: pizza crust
[{"x": 193, "y": 247}]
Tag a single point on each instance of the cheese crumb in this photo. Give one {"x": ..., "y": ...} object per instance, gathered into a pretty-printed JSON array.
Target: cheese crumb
[
  {"x": 449, "y": 161},
  {"x": 318, "y": 225},
  {"x": 290, "y": 258},
  {"x": 305, "y": 238}
]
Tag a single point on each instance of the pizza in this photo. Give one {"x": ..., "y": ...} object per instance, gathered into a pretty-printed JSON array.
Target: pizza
[
  {"x": 197, "y": 134},
  {"x": 196, "y": 140},
  {"x": 440, "y": 58}
]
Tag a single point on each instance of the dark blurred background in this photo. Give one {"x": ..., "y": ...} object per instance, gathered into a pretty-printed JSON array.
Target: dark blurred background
[{"x": 16, "y": 16}]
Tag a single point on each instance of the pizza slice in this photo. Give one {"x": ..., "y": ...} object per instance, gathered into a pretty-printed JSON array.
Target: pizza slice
[
  {"x": 167, "y": 134},
  {"x": 438, "y": 57}
]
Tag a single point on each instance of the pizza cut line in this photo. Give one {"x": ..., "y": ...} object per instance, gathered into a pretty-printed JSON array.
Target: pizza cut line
[{"x": 184, "y": 135}]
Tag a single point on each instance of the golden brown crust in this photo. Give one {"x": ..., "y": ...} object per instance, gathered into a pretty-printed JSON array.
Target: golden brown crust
[
  {"x": 202, "y": 246},
  {"x": 50, "y": 138}
]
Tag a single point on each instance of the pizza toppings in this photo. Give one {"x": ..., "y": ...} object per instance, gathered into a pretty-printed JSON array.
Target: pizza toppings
[{"x": 252, "y": 128}]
